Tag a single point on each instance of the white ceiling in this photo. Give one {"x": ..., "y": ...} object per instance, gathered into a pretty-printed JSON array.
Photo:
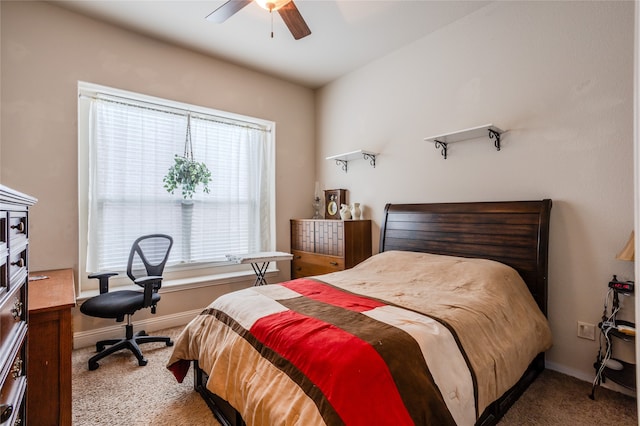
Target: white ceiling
[{"x": 345, "y": 34}]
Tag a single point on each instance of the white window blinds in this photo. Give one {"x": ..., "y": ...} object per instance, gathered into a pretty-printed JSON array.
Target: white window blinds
[{"x": 131, "y": 147}]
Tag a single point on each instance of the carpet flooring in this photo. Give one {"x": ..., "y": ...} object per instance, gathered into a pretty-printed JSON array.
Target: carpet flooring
[{"x": 122, "y": 393}]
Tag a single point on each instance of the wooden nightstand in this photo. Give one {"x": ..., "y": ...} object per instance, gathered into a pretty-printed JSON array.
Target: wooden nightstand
[
  {"x": 50, "y": 346},
  {"x": 320, "y": 246}
]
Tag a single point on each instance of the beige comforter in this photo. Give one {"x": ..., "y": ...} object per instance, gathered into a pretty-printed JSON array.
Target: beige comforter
[{"x": 473, "y": 321}]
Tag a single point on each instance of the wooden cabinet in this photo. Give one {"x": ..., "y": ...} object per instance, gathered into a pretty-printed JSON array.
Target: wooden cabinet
[
  {"x": 322, "y": 246},
  {"x": 50, "y": 345},
  {"x": 14, "y": 272}
]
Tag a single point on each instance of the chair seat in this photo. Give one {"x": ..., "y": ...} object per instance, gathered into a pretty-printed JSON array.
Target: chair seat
[{"x": 116, "y": 304}]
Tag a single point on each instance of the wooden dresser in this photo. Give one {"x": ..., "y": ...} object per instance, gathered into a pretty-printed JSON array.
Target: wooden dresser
[
  {"x": 14, "y": 273},
  {"x": 320, "y": 246},
  {"x": 50, "y": 346}
]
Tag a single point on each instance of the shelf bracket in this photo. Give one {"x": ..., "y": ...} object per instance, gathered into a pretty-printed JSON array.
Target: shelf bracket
[
  {"x": 371, "y": 158},
  {"x": 495, "y": 135},
  {"x": 343, "y": 163},
  {"x": 442, "y": 146}
]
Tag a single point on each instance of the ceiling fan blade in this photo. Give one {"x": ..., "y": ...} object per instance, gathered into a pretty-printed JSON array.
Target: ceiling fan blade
[
  {"x": 227, "y": 10},
  {"x": 294, "y": 21}
]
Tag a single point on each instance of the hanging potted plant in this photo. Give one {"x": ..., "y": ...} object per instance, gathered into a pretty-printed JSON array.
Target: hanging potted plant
[{"x": 187, "y": 174}]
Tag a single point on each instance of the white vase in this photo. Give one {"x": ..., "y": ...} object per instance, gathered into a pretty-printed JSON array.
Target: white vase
[
  {"x": 345, "y": 213},
  {"x": 356, "y": 213},
  {"x": 187, "y": 220}
]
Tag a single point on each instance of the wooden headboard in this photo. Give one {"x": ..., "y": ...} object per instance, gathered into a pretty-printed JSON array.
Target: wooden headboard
[{"x": 515, "y": 233}]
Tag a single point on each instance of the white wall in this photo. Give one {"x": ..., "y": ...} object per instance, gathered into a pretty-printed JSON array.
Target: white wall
[
  {"x": 46, "y": 50},
  {"x": 559, "y": 77}
]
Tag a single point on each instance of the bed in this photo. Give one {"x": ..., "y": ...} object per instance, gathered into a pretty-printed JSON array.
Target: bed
[{"x": 357, "y": 346}]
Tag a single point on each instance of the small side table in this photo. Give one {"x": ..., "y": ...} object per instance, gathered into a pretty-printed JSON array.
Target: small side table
[
  {"x": 618, "y": 371},
  {"x": 260, "y": 262},
  {"x": 50, "y": 340}
]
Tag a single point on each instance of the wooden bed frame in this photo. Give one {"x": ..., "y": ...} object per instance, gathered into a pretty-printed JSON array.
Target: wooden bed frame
[{"x": 515, "y": 233}]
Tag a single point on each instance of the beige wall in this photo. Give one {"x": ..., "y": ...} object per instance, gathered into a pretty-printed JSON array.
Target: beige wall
[
  {"x": 559, "y": 77},
  {"x": 46, "y": 50}
]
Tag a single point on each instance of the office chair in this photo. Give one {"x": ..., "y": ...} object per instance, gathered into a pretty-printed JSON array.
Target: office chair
[{"x": 147, "y": 258}]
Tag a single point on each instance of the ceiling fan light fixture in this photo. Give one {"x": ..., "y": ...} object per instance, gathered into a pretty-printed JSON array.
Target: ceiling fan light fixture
[
  {"x": 272, "y": 5},
  {"x": 286, "y": 9}
]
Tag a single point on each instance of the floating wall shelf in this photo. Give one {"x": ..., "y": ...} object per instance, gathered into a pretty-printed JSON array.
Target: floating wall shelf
[
  {"x": 343, "y": 159},
  {"x": 442, "y": 141}
]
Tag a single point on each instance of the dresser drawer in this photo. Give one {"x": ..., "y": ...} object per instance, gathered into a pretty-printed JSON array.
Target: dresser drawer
[
  {"x": 303, "y": 235},
  {"x": 13, "y": 316},
  {"x": 17, "y": 228},
  {"x": 14, "y": 384},
  {"x": 329, "y": 237},
  {"x": 17, "y": 267},
  {"x": 305, "y": 264}
]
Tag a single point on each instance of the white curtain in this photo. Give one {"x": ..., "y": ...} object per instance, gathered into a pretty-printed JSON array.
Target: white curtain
[{"x": 133, "y": 145}]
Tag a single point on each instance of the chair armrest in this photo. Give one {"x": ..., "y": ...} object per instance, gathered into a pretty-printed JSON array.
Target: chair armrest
[
  {"x": 103, "y": 280},
  {"x": 151, "y": 285}
]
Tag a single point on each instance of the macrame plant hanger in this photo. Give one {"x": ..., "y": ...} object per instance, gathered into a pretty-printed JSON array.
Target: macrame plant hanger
[{"x": 188, "y": 146}]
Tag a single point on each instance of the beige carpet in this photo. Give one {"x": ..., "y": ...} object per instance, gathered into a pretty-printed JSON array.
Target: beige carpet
[
  {"x": 121, "y": 393},
  {"x": 557, "y": 399}
]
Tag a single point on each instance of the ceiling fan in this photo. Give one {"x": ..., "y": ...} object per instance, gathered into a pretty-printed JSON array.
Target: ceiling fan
[{"x": 286, "y": 8}]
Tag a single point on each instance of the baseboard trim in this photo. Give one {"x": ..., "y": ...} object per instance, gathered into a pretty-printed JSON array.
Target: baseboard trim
[{"x": 83, "y": 339}]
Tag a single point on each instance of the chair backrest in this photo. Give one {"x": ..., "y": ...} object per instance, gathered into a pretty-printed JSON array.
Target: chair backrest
[{"x": 148, "y": 256}]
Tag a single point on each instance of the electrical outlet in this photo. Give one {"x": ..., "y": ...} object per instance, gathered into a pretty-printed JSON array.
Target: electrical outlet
[{"x": 586, "y": 330}]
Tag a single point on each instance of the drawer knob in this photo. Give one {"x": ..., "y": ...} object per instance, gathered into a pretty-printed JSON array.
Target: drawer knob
[
  {"x": 333, "y": 263},
  {"x": 19, "y": 263},
  {"x": 5, "y": 412},
  {"x": 16, "y": 311},
  {"x": 298, "y": 257},
  {"x": 19, "y": 227},
  {"x": 16, "y": 370}
]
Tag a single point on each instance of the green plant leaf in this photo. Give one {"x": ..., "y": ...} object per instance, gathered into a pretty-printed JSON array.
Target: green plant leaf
[{"x": 187, "y": 174}]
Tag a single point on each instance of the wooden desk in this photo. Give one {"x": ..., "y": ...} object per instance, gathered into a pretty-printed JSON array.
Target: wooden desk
[{"x": 50, "y": 345}]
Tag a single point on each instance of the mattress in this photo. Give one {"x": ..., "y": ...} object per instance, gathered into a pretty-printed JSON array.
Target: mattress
[{"x": 402, "y": 338}]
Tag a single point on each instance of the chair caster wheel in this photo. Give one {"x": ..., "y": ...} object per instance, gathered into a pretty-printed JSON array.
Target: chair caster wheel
[
  {"x": 93, "y": 366},
  {"x": 142, "y": 362}
]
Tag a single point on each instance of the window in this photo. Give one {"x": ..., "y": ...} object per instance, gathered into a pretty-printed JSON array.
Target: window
[{"x": 127, "y": 144}]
